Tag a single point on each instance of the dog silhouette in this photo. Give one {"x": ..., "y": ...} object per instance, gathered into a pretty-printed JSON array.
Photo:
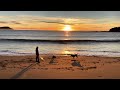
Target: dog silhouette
[{"x": 74, "y": 55}]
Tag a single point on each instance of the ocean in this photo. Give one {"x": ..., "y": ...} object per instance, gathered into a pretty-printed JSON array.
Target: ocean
[{"x": 24, "y": 42}]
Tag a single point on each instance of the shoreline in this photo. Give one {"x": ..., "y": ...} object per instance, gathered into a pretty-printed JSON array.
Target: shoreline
[
  {"x": 12, "y": 55},
  {"x": 62, "y": 67}
]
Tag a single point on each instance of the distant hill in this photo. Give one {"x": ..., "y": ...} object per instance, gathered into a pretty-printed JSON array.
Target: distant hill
[
  {"x": 6, "y": 28},
  {"x": 115, "y": 29}
]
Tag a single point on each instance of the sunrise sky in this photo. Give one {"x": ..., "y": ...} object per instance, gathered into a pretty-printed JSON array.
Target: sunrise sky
[{"x": 60, "y": 20}]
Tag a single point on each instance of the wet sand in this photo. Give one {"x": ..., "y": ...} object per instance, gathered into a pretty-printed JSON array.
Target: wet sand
[{"x": 62, "y": 67}]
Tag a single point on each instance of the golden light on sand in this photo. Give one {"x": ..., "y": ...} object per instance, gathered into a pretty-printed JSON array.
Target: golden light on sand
[{"x": 67, "y": 28}]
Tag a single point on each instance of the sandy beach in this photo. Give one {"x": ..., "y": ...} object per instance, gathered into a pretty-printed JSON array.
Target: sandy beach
[
  {"x": 93, "y": 36},
  {"x": 62, "y": 67}
]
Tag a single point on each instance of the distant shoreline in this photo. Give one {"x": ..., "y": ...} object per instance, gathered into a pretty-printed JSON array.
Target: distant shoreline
[{"x": 6, "y": 28}]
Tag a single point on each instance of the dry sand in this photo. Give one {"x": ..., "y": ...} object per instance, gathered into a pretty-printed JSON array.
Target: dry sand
[{"x": 62, "y": 67}]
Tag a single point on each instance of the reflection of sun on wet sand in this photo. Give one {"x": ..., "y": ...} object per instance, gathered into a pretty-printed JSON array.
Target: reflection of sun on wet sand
[{"x": 61, "y": 67}]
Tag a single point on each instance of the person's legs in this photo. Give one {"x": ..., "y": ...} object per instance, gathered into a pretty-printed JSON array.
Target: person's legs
[{"x": 36, "y": 58}]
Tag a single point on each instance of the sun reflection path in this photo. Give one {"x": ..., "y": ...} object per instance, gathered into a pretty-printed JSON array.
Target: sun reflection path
[
  {"x": 66, "y": 52},
  {"x": 66, "y": 34}
]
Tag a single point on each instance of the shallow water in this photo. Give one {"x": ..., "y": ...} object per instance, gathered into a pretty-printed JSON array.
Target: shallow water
[{"x": 13, "y": 42}]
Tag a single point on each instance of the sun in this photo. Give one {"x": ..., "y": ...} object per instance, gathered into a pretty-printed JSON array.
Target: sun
[{"x": 67, "y": 28}]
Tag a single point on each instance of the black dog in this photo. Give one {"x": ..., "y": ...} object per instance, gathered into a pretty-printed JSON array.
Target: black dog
[
  {"x": 74, "y": 55},
  {"x": 53, "y": 57}
]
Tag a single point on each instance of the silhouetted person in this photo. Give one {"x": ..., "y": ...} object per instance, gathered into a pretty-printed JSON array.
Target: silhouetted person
[{"x": 37, "y": 55}]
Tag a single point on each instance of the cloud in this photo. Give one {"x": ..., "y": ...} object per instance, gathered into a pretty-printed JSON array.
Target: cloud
[
  {"x": 49, "y": 22},
  {"x": 15, "y": 22},
  {"x": 3, "y": 22},
  {"x": 10, "y": 22},
  {"x": 57, "y": 22},
  {"x": 28, "y": 19},
  {"x": 4, "y": 17}
]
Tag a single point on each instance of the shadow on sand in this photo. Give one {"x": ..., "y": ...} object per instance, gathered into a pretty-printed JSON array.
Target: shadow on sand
[
  {"x": 76, "y": 63},
  {"x": 23, "y": 71}
]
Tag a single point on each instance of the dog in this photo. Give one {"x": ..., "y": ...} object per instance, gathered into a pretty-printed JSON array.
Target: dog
[
  {"x": 53, "y": 57},
  {"x": 74, "y": 55}
]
